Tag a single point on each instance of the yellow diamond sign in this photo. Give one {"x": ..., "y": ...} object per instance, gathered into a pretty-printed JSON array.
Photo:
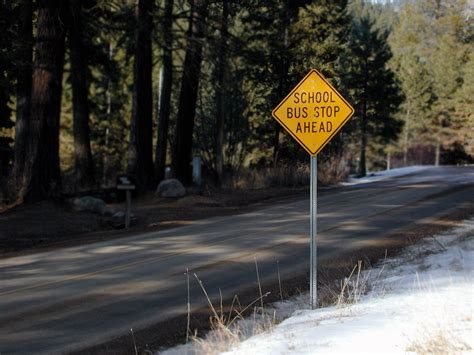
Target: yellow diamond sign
[{"x": 313, "y": 112}]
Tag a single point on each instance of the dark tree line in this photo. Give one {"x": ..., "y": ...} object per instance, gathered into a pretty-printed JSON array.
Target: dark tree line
[{"x": 140, "y": 85}]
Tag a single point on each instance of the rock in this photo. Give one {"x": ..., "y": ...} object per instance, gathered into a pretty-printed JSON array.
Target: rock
[
  {"x": 92, "y": 204},
  {"x": 171, "y": 188},
  {"x": 117, "y": 220}
]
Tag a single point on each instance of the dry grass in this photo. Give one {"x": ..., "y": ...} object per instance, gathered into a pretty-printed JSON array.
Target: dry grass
[
  {"x": 441, "y": 326},
  {"x": 229, "y": 329},
  {"x": 346, "y": 286},
  {"x": 223, "y": 337},
  {"x": 438, "y": 341},
  {"x": 280, "y": 176},
  {"x": 332, "y": 171},
  {"x": 353, "y": 286},
  {"x": 437, "y": 333}
]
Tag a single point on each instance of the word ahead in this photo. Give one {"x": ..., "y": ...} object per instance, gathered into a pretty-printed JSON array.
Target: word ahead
[{"x": 313, "y": 112}]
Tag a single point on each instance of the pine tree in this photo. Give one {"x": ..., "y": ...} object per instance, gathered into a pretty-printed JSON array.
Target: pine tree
[
  {"x": 84, "y": 166},
  {"x": 220, "y": 73},
  {"x": 6, "y": 87},
  {"x": 42, "y": 177},
  {"x": 372, "y": 85},
  {"x": 24, "y": 54},
  {"x": 416, "y": 86},
  {"x": 413, "y": 75},
  {"x": 436, "y": 33},
  {"x": 111, "y": 76},
  {"x": 140, "y": 158},
  {"x": 189, "y": 91},
  {"x": 464, "y": 107},
  {"x": 447, "y": 58},
  {"x": 268, "y": 44},
  {"x": 321, "y": 34},
  {"x": 165, "y": 90},
  {"x": 222, "y": 114}
]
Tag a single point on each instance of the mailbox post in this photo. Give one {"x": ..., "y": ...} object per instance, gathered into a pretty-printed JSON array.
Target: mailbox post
[
  {"x": 197, "y": 174},
  {"x": 127, "y": 184}
]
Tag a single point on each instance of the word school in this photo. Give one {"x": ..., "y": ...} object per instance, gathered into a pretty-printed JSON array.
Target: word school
[{"x": 327, "y": 111}]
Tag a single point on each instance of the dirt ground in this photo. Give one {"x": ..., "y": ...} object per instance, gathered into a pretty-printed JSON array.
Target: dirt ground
[{"x": 47, "y": 225}]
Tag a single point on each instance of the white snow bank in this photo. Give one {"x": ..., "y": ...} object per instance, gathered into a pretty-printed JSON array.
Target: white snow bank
[
  {"x": 421, "y": 301},
  {"x": 385, "y": 174}
]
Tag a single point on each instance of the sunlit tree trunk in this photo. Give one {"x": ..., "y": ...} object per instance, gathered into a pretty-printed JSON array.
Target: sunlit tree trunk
[
  {"x": 362, "y": 171},
  {"x": 189, "y": 91},
  {"x": 23, "y": 93},
  {"x": 405, "y": 142},
  {"x": 437, "y": 151},
  {"x": 220, "y": 74},
  {"x": 283, "y": 77},
  {"x": 166, "y": 82}
]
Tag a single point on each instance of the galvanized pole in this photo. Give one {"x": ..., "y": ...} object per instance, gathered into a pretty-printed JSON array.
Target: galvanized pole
[
  {"x": 128, "y": 208},
  {"x": 313, "y": 232}
]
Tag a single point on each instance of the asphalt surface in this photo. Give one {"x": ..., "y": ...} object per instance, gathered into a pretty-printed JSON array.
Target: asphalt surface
[{"x": 71, "y": 298}]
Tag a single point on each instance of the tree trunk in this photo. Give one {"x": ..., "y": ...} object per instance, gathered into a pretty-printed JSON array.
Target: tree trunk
[
  {"x": 140, "y": 154},
  {"x": 363, "y": 125},
  {"x": 405, "y": 143},
  {"x": 437, "y": 151},
  {"x": 166, "y": 82},
  {"x": 23, "y": 93},
  {"x": 41, "y": 178},
  {"x": 220, "y": 74},
  {"x": 283, "y": 77},
  {"x": 362, "y": 171},
  {"x": 189, "y": 92},
  {"x": 276, "y": 144},
  {"x": 105, "y": 150},
  {"x": 84, "y": 167}
]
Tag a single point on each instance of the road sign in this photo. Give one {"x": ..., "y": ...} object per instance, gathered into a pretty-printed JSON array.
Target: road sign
[{"x": 313, "y": 112}]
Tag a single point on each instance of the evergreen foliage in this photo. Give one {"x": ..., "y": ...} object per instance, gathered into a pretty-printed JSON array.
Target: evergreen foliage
[
  {"x": 406, "y": 67},
  {"x": 432, "y": 42},
  {"x": 322, "y": 34},
  {"x": 372, "y": 84},
  {"x": 6, "y": 86}
]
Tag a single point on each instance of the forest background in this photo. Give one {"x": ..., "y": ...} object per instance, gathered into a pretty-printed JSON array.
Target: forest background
[{"x": 92, "y": 89}]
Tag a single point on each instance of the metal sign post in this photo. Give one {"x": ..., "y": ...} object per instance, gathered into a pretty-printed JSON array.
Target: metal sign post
[
  {"x": 127, "y": 183},
  {"x": 128, "y": 208},
  {"x": 313, "y": 232},
  {"x": 313, "y": 112}
]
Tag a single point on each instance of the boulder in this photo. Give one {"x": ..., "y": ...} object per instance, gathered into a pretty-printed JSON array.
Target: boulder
[
  {"x": 171, "y": 188},
  {"x": 92, "y": 204},
  {"x": 117, "y": 220}
]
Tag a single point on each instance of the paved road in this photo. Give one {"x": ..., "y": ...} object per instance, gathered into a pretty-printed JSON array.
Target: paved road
[{"x": 70, "y": 298}]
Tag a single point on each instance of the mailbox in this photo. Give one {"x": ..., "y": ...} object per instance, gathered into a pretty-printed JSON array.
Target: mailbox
[{"x": 126, "y": 182}]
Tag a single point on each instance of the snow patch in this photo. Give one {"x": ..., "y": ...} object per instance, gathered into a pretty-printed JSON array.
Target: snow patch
[
  {"x": 420, "y": 302},
  {"x": 385, "y": 174},
  {"x": 423, "y": 303}
]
